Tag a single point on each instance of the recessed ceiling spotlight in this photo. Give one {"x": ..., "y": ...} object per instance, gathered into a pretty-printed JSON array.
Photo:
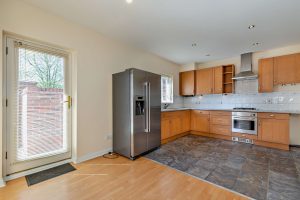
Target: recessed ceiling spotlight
[
  {"x": 129, "y": 1},
  {"x": 251, "y": 26},
  {"x": 194, "y": 44},
  {"x": 255, "y": 44}
]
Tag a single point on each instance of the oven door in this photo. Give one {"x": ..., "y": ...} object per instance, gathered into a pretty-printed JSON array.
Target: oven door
[{"x": 246, "y": 125}]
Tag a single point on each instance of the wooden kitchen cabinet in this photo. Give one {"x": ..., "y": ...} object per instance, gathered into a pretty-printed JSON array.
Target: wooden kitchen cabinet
[
  {"x": 273, "y": 128},
  {"x": 220, "y": 123},
  {"x": 174, "y": 123},
  {"x": 204, "y": 81},
  {"x": 286, "y": 69},
  {"x": 186, "y": 121},
  {"x": 266, "y": 75},
  {"x": 165, "y": 128},
  {"x": 200, "y": 121},
  {"x": 218, "y": 80},
  {"x": 187, "y": 83},
  {"x": 297, "y": 70}
]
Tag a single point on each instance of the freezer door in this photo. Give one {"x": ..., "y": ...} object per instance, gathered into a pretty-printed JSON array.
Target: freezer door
[
  {"x": 154, "y": 135},
  {"x": 139, "y": 112}
]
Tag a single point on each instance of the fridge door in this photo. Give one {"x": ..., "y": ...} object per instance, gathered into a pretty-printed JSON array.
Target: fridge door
[
  {"x": 154, "y": 135},
  {"x": 139, "y": 112}
]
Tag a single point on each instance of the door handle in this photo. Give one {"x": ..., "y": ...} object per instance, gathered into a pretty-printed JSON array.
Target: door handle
[
  {"x": 69, "y": 101},
  {"x": 146, "y": 107},
  {"x": 149, "y": 108}
]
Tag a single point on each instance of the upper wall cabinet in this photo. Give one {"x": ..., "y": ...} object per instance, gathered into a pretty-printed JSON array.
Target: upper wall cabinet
[
  {"x": 204, "y": 81},
  {"x": 216, "y": 80},
  {"x": 228, "y": 82},
  {"x": 187, "y": 83},
  {"x": 286, "y": 69},
  {"x": 278, "y": 70},
  {"x": 265, "y": 72}
]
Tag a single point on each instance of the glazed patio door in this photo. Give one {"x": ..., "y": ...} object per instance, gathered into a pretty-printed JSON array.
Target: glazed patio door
[{"x": 38, "y": 107}]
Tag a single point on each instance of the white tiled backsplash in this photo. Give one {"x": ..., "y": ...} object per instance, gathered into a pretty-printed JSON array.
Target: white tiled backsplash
[
  {"x": 246, "y": 95},
  {"x": 246, "y": 87},
  {"x": 280, "y": 101}
]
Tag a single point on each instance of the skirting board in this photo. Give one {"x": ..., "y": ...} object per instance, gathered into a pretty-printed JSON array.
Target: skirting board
[
  {"x": 2, "y": 182},
  {"x": 92, "y": 155}
]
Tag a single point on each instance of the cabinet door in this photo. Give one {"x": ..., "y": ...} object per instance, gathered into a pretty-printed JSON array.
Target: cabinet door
[
  {"x": 266, "y": 75},
  {"x": 274, "y": 130},
  {"x": 218, "y": 80},
  {"x": 165, "y": 129},
  {"x": 186, "y": 121},
  {"x": 204, "y": 81},
  {"x": 284, "y": 69},
  {"x": 297, "y": 71},
  {"x": 199, "y": 122},
  {"x": 187, "y": 83},
  {"x": 220, "y": 130},
  {"x": 265, "y": 128},
  {"x": 176, "y": 126},
  {"x": 281, "y": 132}
]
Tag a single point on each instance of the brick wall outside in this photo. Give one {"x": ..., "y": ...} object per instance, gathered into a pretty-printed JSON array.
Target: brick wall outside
[{"x": 40, "y": 120}]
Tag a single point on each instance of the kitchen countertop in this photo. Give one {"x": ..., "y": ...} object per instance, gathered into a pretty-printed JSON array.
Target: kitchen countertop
[{"x": 231, "y": 110}]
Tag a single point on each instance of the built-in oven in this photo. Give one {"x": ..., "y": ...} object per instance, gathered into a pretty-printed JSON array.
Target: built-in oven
[{"x": 244, "y": 122}]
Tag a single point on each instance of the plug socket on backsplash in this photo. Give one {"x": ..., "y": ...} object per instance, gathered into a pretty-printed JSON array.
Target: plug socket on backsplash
[{"x": 268, "y": 100}]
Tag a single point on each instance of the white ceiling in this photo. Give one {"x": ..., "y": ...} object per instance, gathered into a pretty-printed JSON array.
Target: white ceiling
[{"x": 169, "y": 27}]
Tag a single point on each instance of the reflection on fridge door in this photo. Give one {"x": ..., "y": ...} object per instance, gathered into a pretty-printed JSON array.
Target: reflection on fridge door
[{"x": 136, "y": 112}]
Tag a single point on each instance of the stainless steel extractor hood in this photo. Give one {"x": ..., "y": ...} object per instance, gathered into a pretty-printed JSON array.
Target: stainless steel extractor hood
[{"x": 246, "y": 68}]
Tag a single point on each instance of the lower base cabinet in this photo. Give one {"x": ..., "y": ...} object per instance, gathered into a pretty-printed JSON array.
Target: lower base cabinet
[
  {"x": 174, "y": 123},
  {"x": 273, "y": 128},
  {"x": 200, "y": 121},
  {"x": 220, "y": 123}
]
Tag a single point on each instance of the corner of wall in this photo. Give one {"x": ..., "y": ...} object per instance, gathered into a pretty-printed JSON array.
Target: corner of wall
[
  {"x": 90, "y": 156},
  {"x": 2, "y": 182}
]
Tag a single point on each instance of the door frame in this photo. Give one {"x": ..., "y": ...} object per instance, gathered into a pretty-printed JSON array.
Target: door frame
[{"x": 72, "y": 69}]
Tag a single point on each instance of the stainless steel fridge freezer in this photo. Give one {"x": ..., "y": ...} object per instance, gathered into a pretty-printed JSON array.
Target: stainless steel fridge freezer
[{"x": 136, "y": 112}]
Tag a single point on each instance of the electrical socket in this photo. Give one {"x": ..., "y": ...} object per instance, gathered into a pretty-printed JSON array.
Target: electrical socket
[{"x": 109, "y": 137}]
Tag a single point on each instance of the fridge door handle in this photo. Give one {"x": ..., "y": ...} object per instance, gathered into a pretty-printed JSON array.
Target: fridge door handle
[
  {"x": 149, "y": 108},
  {"x": 146, "y": 125}
]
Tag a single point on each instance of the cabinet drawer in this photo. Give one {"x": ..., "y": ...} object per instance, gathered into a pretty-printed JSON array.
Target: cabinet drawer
[
  {"x": 220, "y": 130},
  {"x": 220, "y": 120},
  {"x": 273, "y": 116},
  {"x": 170, "y": 114},
  {"x": 243, "y": 135},
  {"x": 222, "y": 113},
  {"x": 204, "y": 112}
]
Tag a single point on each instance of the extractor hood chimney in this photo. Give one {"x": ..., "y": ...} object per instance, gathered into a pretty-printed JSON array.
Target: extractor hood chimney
[{"x": 246, "y": 68}]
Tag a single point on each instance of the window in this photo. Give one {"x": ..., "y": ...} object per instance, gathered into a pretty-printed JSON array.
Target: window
[{"x": 166, "y": 89}]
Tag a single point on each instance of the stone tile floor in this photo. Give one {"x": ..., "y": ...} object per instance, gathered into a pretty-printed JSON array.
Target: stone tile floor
[{"x": 257, "y": 172}]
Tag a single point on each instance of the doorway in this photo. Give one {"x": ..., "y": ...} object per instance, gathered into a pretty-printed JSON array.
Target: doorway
[{"x": 38, "y": 105}]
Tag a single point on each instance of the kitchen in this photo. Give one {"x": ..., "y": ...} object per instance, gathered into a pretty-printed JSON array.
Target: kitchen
[
  {"x": 236, "y": 128},
  {"x": 258, "y": 106},
  {"x": 132, "y": 99}
]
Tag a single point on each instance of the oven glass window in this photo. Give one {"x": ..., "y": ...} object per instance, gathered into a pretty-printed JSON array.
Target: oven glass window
[{"x": 244, "y": 124}]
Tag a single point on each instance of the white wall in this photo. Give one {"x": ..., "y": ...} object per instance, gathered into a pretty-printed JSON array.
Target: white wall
[{"x": 97, "y": 58}]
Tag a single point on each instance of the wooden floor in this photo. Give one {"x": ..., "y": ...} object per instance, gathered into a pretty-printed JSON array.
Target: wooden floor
[{"x": 120, "y": 178}]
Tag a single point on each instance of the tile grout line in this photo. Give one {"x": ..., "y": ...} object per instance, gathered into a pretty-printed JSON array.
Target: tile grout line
[{"x": 268, "y": 179}]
